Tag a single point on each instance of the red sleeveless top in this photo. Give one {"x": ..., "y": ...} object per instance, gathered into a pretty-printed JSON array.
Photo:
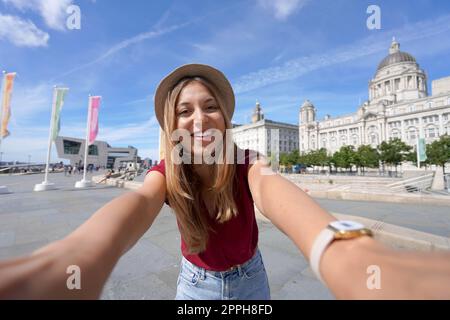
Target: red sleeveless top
[{"x": 233, "y": 242}]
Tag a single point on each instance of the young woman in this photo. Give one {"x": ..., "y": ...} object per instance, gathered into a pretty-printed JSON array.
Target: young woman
[{"x": 211, "y": 185}]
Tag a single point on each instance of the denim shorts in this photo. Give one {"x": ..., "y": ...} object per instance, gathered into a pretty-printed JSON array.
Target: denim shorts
[{"x": 247, "y": 281}]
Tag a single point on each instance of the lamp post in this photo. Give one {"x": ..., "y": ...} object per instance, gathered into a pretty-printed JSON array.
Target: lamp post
[{"x": 29, "y": 161}]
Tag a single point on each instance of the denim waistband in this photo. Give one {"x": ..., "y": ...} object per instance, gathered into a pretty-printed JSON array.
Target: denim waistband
[{"x": 221, "y": 274}]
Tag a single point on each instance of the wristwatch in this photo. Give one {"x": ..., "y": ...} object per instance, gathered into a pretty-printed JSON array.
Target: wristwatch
[{"x": 336, "y": 230}]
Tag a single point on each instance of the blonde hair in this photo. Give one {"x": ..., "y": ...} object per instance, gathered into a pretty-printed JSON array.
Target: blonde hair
[{"x": 183, "y": 184}]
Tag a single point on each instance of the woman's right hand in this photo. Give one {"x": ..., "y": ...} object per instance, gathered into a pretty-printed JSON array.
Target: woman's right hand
[
  {"x": 89, "y": 253},
  {"x": 60, "y": 270}
]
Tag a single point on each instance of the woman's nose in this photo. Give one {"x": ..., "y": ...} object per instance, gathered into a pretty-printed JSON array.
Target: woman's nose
[{"x": 200, "y": 116}]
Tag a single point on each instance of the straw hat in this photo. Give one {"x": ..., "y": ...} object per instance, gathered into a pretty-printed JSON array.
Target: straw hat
[{"x": 214, "y": 76}]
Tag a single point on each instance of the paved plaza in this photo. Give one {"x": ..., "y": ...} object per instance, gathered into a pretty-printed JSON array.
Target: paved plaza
[{"x": 29, "y": 220}]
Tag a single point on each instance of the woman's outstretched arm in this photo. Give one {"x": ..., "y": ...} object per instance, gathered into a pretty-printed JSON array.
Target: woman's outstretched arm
[
  {"x": 347, "y": 265},
  {"x": 94, "y": 248}
]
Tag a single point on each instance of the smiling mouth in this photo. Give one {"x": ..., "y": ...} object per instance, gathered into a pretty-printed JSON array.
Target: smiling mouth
[{"x": 202, "y": 136}]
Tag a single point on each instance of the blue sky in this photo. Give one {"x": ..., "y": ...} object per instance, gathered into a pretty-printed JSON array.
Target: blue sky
[{"x": 279, "y": 52}]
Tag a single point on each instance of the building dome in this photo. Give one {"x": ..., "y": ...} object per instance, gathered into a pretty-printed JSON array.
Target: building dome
[
  {"x": 395, "y": 56},
  {"x": 307, "y": 105}
]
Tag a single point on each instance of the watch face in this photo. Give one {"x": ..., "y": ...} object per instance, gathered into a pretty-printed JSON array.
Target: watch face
[{"x": 346, "y": 225}]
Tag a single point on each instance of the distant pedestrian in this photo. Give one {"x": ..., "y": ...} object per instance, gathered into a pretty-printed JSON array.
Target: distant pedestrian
[
  {"x": 65, "y": 170},
  {"x": 107, "y": 176}
]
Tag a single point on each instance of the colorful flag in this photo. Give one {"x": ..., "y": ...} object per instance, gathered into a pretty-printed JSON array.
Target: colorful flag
[
  {"x": 421, "y": 150},
  {"x": 8, "y": 83},
  {"x": 94, "y": 105},
  {"x": 59, "y": 95}
]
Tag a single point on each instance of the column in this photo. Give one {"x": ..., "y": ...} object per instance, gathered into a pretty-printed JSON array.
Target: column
[
  {"x": 380, "y": 135},
  {"x": 361, "y": 135},
  {"x": 421, "y": 132},
  {"x": 385, "y": 129},
  {"x": 402, "y": 132}
]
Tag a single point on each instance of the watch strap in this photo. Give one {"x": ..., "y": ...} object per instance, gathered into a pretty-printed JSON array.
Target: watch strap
[{"x": 325, "y": 237}]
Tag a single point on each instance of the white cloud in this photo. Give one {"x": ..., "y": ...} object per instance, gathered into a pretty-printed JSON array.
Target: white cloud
[
  {"x": 52, "y": 11},
  {"x": 295, "y": 68},
  {"x": 283, "y": 8},
  {"x": 22, "y": 33}
]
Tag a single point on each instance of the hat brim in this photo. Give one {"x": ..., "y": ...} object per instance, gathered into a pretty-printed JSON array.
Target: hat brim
[{"x": 212, "y": 75}]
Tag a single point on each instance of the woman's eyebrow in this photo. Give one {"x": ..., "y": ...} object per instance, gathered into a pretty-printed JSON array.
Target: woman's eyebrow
[
  {"x": 209, "y": 99},
  {"x": 185, "y": 103}
]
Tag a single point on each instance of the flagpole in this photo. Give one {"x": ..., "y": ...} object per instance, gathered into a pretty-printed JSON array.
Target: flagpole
[
  {"x": 45, "y": 186},
  {"x": 88, "y": 130},
  {"x": 49, "y": 149},
  {"x": 1, "y": 106},
  {"x": 417, "y": 152},
  {"x": 85, "y": 183},
  {"x": 3, "y": 189}
]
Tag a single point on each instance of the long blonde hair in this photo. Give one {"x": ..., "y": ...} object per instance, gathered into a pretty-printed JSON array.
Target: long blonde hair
[{"x": 183, "y": 184}]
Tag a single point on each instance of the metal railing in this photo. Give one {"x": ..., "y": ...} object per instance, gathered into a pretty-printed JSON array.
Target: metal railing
[{"x": 416, "y": 184}]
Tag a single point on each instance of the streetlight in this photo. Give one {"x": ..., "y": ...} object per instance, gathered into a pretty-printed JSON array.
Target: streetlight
[{"x": 29, "y": 161}]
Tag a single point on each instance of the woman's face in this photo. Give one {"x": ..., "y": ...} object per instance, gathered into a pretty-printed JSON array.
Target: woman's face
[{"x": 197, "y": 112}]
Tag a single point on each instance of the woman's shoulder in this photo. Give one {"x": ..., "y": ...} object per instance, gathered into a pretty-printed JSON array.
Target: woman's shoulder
[{"x": 160, "y": 167}]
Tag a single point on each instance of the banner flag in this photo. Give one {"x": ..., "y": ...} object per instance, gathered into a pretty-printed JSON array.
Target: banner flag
[
  {"x": 421, "y": 150},
  {"x": 8, "y": 83},
  {"x": 94, "y": 106},
  {"x": 60, "y": 94}
]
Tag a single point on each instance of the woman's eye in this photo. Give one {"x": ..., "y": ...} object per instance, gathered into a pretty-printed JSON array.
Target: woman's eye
[{"x": 212, "y": 107}]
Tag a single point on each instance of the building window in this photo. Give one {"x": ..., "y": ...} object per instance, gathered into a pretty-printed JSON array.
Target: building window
[
  {"x": 395, "y": 134},
  {"x": 412, "y": 133},
  {"x": 430, "y": 104},
  {"x": 412, "y": 108},
  {"x": 93, "y": 150},
  {"x": 71, "y": 147},
  {"x": 355, "y": 140},
  {"x": 397, "y": 84},
  {"x": 447, "y": 129},
  {"x": 431, "y": 132}
]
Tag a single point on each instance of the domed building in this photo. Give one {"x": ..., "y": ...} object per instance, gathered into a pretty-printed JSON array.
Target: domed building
[
  {"x": 398, "y": 78},
  {"x": 399, "y": 106}
]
